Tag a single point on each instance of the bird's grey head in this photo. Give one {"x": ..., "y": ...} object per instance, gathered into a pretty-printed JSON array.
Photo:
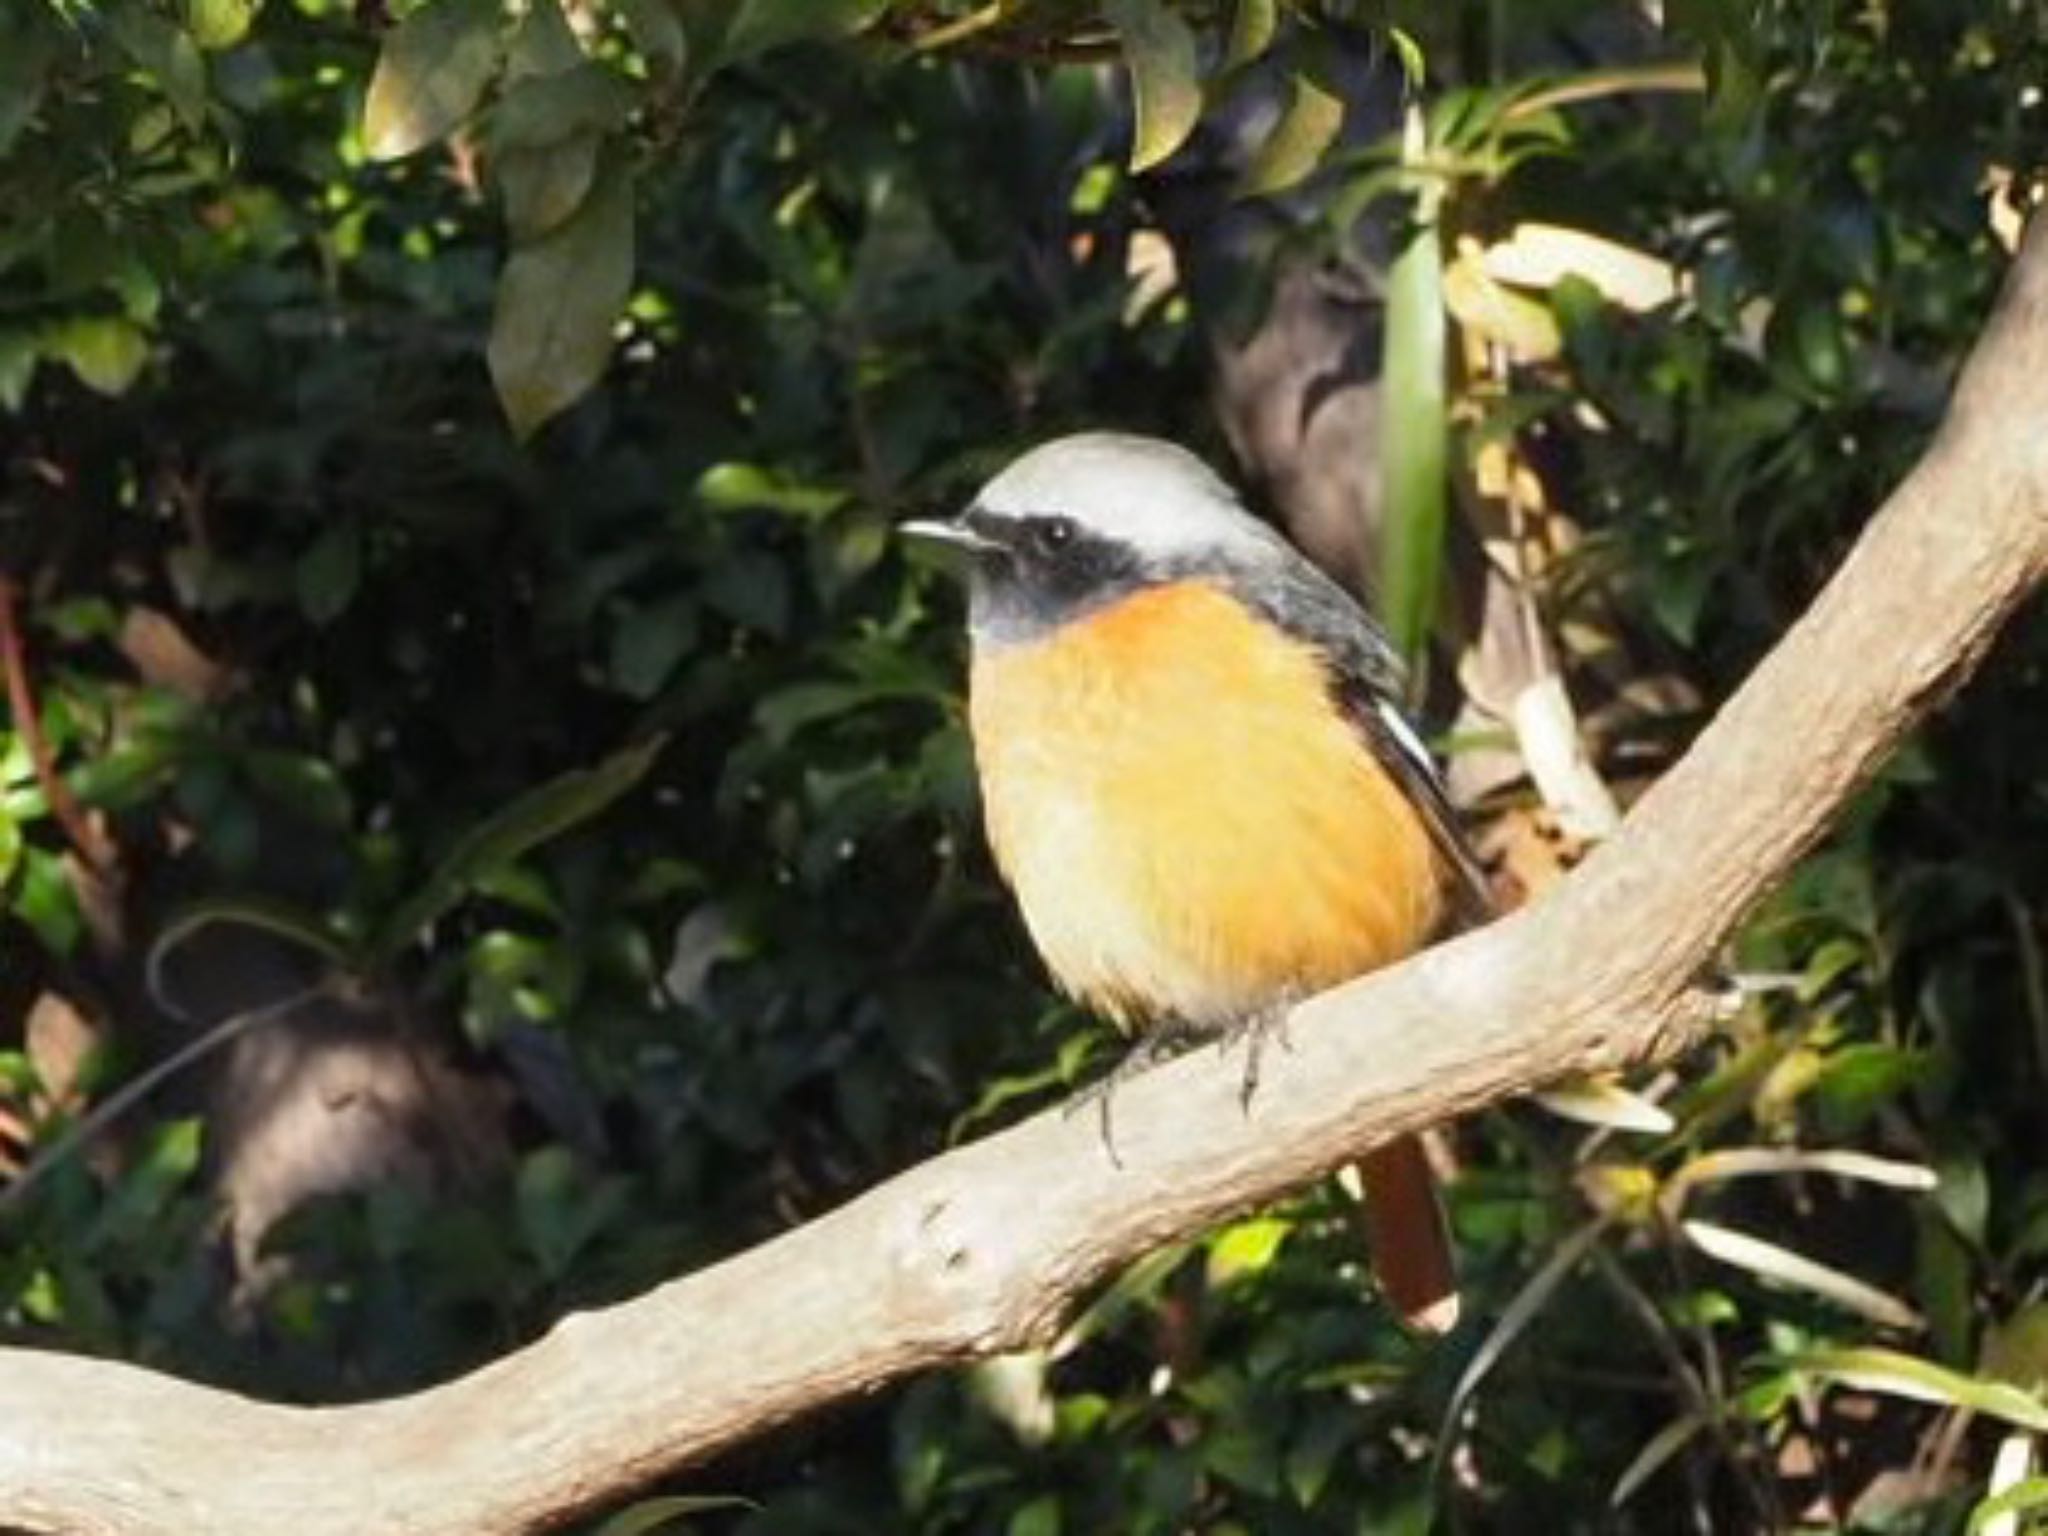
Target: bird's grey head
[{"x": 1082, "y": 521}]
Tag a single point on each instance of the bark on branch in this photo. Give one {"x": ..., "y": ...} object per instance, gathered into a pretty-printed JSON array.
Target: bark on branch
[{"x": 989, "y": 1247}]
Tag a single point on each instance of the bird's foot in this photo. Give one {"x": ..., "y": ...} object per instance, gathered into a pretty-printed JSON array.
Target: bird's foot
[
  {"x": 1255, "y": 1029},
  {"x": 1161, "y": 1043}
]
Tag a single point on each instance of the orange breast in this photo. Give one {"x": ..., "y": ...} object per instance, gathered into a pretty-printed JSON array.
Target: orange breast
[{"x": 1190, "y": 827}]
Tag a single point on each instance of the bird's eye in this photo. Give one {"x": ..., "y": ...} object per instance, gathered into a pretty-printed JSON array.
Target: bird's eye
[{"x": 1053, "y": 533}]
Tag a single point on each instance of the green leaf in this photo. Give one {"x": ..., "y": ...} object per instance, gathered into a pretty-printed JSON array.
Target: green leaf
[
  {"x": 326, "y": 576},
  {"x": 657, "y": 32},
  {"x": 543, "y": 44},
  {"x": 164, "y": 53},
  {"x": 545, "y": 109},
  {"x": 1659, "y": 1449},
  {"x": 105, "y": 351},
  {"x": 2016, "y": 1349},
  {"x": 18, "y": 357},
  {"x": 543, "y": 187},
  {"x": 432, "y": 71},
  {"x": 1908, "y": 1376},
  {"x": 759, "y": 25},
  {"x": 2021, "y": 1498},
  {"x": 557, "y": 301},
  {"x": 1770, "y": 1261},
  {"x": 1246, "y": 1249},
  {"x": 534, "y": 818},
  {"x": 1414, "y": 431},
  {"x": 217, "y": 24},
  {"x": 46, "y": 901},
  {"x": 1159, "y": 51},
  {"x": 1312, "y": 120},
  {"x": 652, "y": 1515},
  {"x": 307, "y": 786},
  {"x": 1522, "y": 1309},
  {"x": 26, "y": 51},
  {"x": 1252, "y": 26},
  {"x": 1414, "y": 65},
  {"x": 649, "y": 642},
  {"x": 10, "y": 846}
]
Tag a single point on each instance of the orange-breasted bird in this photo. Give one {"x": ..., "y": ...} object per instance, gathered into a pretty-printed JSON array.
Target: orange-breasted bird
[{"x": 1195, "y": 772}]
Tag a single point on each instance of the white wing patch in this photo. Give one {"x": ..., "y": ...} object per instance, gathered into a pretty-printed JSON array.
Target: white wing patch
[{"x": 1398, "y": 727}]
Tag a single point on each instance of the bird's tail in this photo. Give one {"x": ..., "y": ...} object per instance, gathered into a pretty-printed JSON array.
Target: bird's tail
[{"x": 1411, "y": 1242}]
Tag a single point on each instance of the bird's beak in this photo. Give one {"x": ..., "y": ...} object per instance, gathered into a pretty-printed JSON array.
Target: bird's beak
[{"x": 946, "y": 530}]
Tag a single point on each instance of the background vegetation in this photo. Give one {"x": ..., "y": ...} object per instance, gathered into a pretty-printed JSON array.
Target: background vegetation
[{"x": 449, "y": 459}]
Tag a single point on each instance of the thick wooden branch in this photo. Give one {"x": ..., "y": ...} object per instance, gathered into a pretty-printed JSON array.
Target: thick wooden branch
[{"x": 988, "y": 1248}]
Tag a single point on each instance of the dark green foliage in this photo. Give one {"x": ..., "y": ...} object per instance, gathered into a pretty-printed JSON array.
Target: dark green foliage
[{"x": 630, "y": 755}]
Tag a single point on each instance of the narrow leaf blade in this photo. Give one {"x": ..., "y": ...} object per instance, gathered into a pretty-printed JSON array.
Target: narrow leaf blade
[
  {"x": 1414, "y": 430},
  {"x": 535, "y": 817}
]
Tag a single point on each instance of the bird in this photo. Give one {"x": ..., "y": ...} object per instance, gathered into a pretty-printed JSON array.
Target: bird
[{"x": 1196, "y": 775}]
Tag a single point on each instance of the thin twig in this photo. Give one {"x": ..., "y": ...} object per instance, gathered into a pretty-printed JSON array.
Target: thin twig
[{"x": 93, "y": 846}]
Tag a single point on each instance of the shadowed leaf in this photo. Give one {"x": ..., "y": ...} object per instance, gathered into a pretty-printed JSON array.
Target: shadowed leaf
[
  {"x": 534, "y": 818},
  {"x": 557, "y": 301},
  {"x": 1159, "y": 51}
]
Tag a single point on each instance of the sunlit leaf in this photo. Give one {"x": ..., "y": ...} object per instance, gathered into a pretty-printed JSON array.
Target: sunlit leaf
[
  {"x": 1246, "y": 1249},
  {"x": 558, "y": 299},
  {"x": 1769, "y": 1261},
  {"x": 1537, "y": 255},
  {"x": 1159, "y": 51},
  {"x": 1603, "y": 1102},
  {"x": 1312, "y": 120},
  {"x": 1902, "y": 1375},
  {"x": 1995, "y": 1514},
  {"x": 430, "y": 75},
  {"x": 216, "y": 24},
  {"x": 1252, "y": 24},
  {"x": 1756, "y": 1162},
  {"x": 1414, "y": 64},
  {"x": 105, "y": 351},
  {"x": 1015, "y": 1388},
  {"x": 1525, "y": 328},
  {"x": 1414, "y": 427}
]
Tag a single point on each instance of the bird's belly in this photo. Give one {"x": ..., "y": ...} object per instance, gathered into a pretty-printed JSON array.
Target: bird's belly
[{"x": 1190, "y": 825}]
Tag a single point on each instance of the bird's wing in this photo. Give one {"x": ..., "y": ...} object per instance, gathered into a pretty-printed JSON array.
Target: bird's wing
[{"x": 1366, "y": 681}]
